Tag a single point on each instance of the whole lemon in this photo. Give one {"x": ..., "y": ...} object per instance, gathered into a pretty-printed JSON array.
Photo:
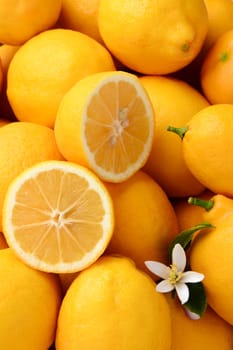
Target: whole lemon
[
  {"x": 174, "y": 102},
  {"x": 81, "y": 15},
  {"x": 21, "y": 20},
  {"x": 207, "y": 145},
  {"x": 211, "y": 254},
  {"x": 153, "y": 37},
  {"x": 145, "y": 221},
  {"x": 113, "y": 305},
  {"x": 210, "y": 332},
  {"x": 46, "y": 67},
  {"x": 216, "y": 70},
  {"x": 30, "y": 302}
]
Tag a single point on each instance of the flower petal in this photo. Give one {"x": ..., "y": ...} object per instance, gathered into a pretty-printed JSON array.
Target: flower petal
[
  {"x": 179, "y": 257},
  {"x": 164, "y": 287},
  {"x": 182, "y": 292},
  {"x": 191, "y": 314},
  {"x": 158, "y": 268},
  {"x": 191, "y": 277}
]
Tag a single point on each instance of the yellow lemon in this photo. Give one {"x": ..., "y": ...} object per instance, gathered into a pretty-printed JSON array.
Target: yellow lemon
[
  {"x": 23, "y": 144},
  {"x": 220, "y": 19},
  {"x": 46, "y": 67},
  {"x": 81, "y": 15},
  {"x": 57, "y": 216},
  {"x": 153, "y": 37},
  {"x": 106, "y": 122},
  {"x": 211, "y": 254},
  {"x": 174, "y": 102},
  {"x": 145, "y": 221},
  {"x": 209, "y": 332},
  {"x": 30, "y": 302},
  {"x": 21, "y": 20},
  {"x": 216, "y": 70},
  {"x": 206, "y": 144},
  {"x": 112, "y": 305}
]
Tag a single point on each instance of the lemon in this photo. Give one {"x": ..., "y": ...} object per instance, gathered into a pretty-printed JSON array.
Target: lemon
[{"x": 112, "y": 305}]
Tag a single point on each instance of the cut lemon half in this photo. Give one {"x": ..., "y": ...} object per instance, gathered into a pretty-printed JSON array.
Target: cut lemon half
[
  {"x": 106, "y": 122},
  {"x": 58, "y": 217}
]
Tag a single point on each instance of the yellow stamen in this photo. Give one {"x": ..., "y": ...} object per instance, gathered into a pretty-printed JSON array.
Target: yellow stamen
[{"x": 174, "y": 275}]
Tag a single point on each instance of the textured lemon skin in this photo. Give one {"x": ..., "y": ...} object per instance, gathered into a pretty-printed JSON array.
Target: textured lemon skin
[
  {"x": 112, "y": 305},
  {"x": 30, "y": 302}
]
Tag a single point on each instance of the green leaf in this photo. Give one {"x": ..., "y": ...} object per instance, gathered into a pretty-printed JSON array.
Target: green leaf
[
  {"x": 197, "y": 298},
  {"x": 185, "y": 237}
]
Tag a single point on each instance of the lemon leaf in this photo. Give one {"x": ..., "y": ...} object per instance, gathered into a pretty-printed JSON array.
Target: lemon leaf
[
  {"x": 185, "y": 237},
  {"x": 197, "y": 298}
]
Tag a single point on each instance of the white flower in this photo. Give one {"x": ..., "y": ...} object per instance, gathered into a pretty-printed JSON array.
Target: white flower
[{"x": 174, "y": 275}]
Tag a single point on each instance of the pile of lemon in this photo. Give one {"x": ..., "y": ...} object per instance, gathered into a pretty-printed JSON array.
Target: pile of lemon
[{"x": 93, "y": 183}]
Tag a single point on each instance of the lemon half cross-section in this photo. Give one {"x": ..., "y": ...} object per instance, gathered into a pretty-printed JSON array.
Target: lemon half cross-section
[
  {"x": 106, "y": 122},
  {"x": 58, "y": 216}
]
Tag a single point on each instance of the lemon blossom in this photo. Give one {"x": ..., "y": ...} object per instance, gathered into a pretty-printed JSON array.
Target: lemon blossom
[{"x": 174, "y": 276}]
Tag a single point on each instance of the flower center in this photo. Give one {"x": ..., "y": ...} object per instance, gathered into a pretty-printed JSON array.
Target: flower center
[{"x": 174, "y": 275}]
